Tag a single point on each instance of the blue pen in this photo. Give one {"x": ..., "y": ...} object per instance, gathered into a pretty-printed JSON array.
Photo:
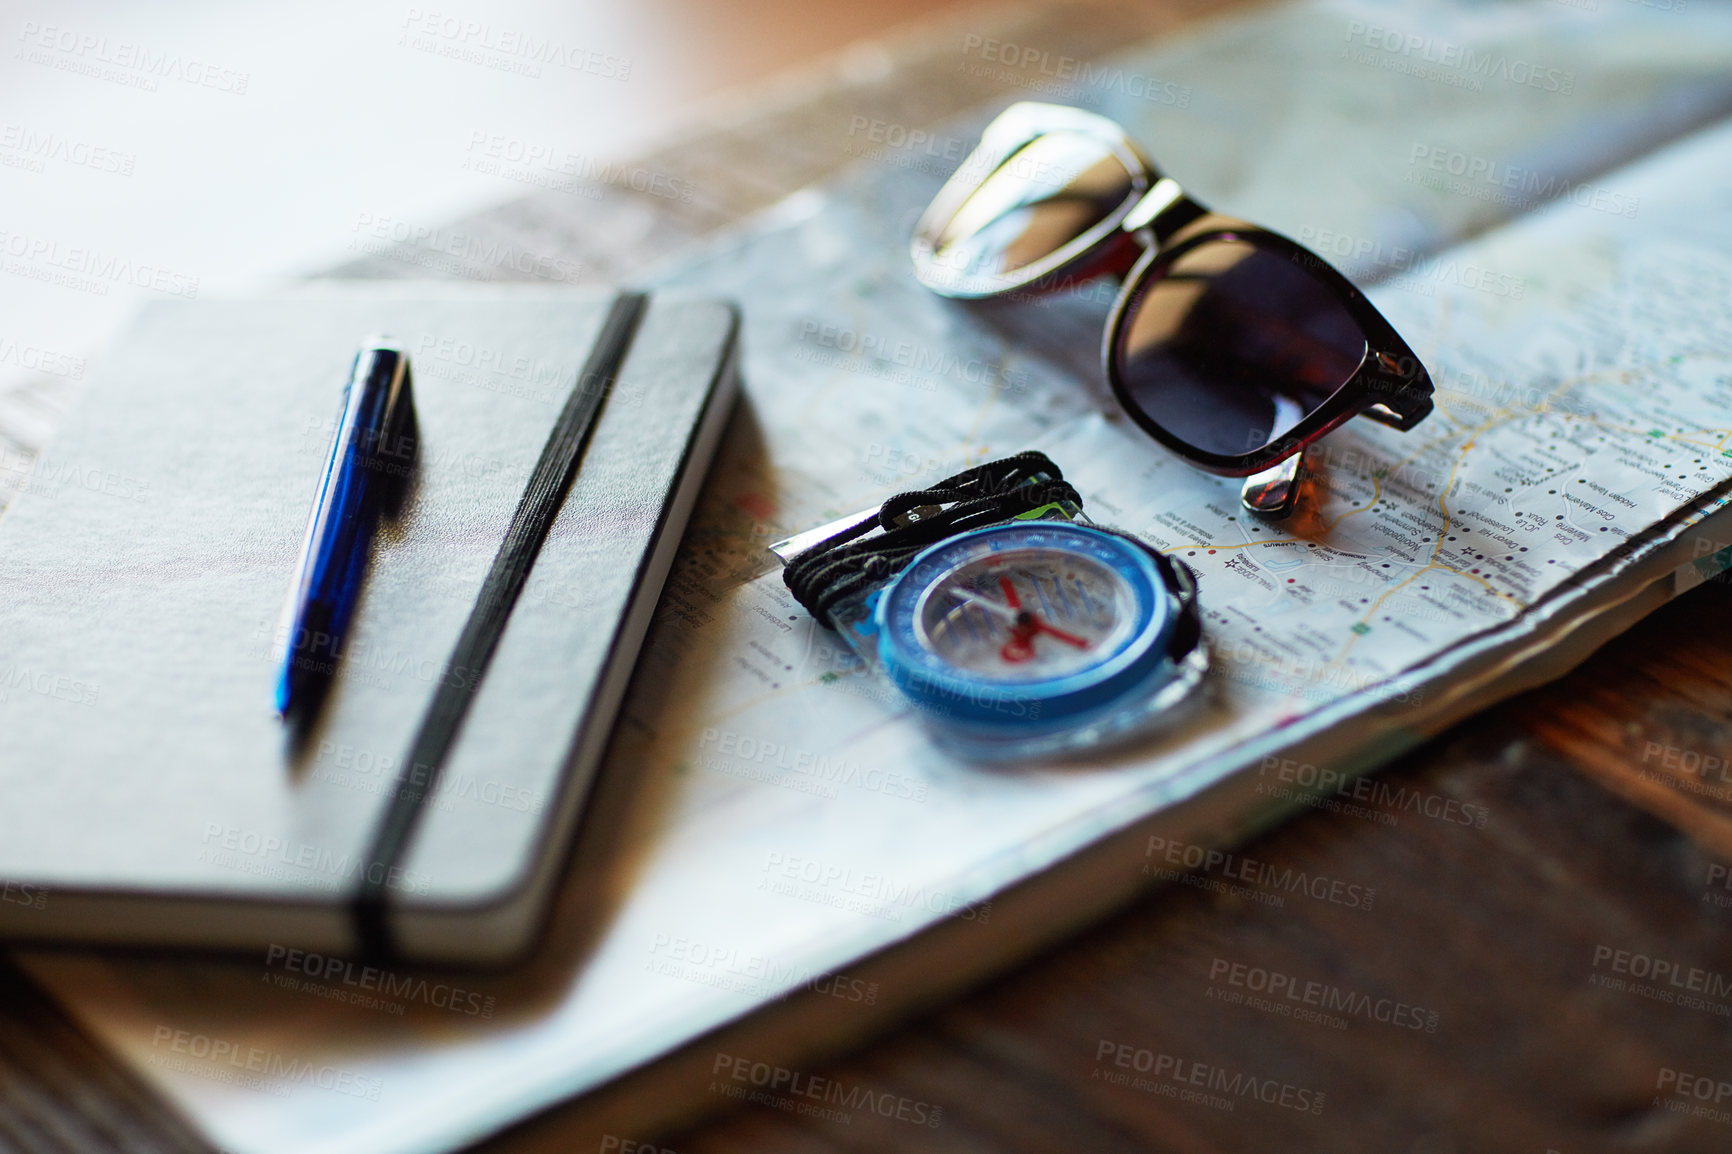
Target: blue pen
[{"x": 371, "y": 454}]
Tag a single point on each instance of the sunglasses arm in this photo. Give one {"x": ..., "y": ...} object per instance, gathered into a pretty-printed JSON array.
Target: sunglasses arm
[
  {"x": 1407, "y": 399},
  {"x": 1386, "y": 415}
]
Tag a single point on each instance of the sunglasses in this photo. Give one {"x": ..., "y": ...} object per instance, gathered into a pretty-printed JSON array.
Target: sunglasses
[{"x": 1231, "y": 345}]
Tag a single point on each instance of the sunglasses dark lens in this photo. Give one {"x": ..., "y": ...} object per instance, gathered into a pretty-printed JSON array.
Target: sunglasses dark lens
[
  {"x": 1050, "y": 192},
  {"x": 1231, "y": 345}
]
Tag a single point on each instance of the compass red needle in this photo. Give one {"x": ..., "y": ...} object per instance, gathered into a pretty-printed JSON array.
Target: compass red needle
[
  {"x": 1039, "y": 626},
  {"x": 1020, "y": 646}
]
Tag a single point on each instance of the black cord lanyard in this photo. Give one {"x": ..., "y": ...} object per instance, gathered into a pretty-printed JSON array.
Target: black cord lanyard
[{"x": 845, "y": 565}]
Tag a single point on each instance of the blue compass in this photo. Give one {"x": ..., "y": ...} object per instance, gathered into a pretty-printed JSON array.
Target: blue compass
[
  {"x": 1012, "y": 624},
  {"x": 1033, "y": 633}
]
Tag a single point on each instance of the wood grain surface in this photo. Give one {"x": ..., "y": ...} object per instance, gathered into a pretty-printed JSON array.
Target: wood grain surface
[
  {"x": 1505, "y": 933},
  {"x": 1533, "y": 868}
]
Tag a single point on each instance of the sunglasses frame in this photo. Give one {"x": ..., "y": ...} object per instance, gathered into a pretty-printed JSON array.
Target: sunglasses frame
[{"x": 1155, "y": 225}]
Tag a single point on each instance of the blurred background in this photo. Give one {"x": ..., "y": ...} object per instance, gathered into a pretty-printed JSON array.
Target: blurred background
[{"x": 196, "y": 148}]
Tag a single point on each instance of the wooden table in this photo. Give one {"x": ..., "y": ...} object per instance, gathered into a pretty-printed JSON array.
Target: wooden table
[
  {"x": 1490, "y": 1000},
  {"x": 1495, "y": 930}
]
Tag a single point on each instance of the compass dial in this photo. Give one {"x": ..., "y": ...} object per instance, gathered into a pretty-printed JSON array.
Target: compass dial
[
  {"x": 1026, "y": 624},
  {"x": 1026, "y": 615}
]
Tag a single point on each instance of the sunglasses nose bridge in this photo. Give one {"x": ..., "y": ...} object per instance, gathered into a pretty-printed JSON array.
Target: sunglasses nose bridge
[{"x": 1154, "y": 204}]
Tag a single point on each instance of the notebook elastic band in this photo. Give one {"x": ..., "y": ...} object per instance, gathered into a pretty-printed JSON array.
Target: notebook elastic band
[{"x": 540, "y": 503}]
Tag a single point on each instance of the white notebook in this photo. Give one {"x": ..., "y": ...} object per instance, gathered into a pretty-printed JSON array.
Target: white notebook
[{"x": 150, "y": 788}]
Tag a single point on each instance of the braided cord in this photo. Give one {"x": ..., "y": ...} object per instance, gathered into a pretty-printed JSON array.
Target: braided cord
[{"x": 852, "y": 562}]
